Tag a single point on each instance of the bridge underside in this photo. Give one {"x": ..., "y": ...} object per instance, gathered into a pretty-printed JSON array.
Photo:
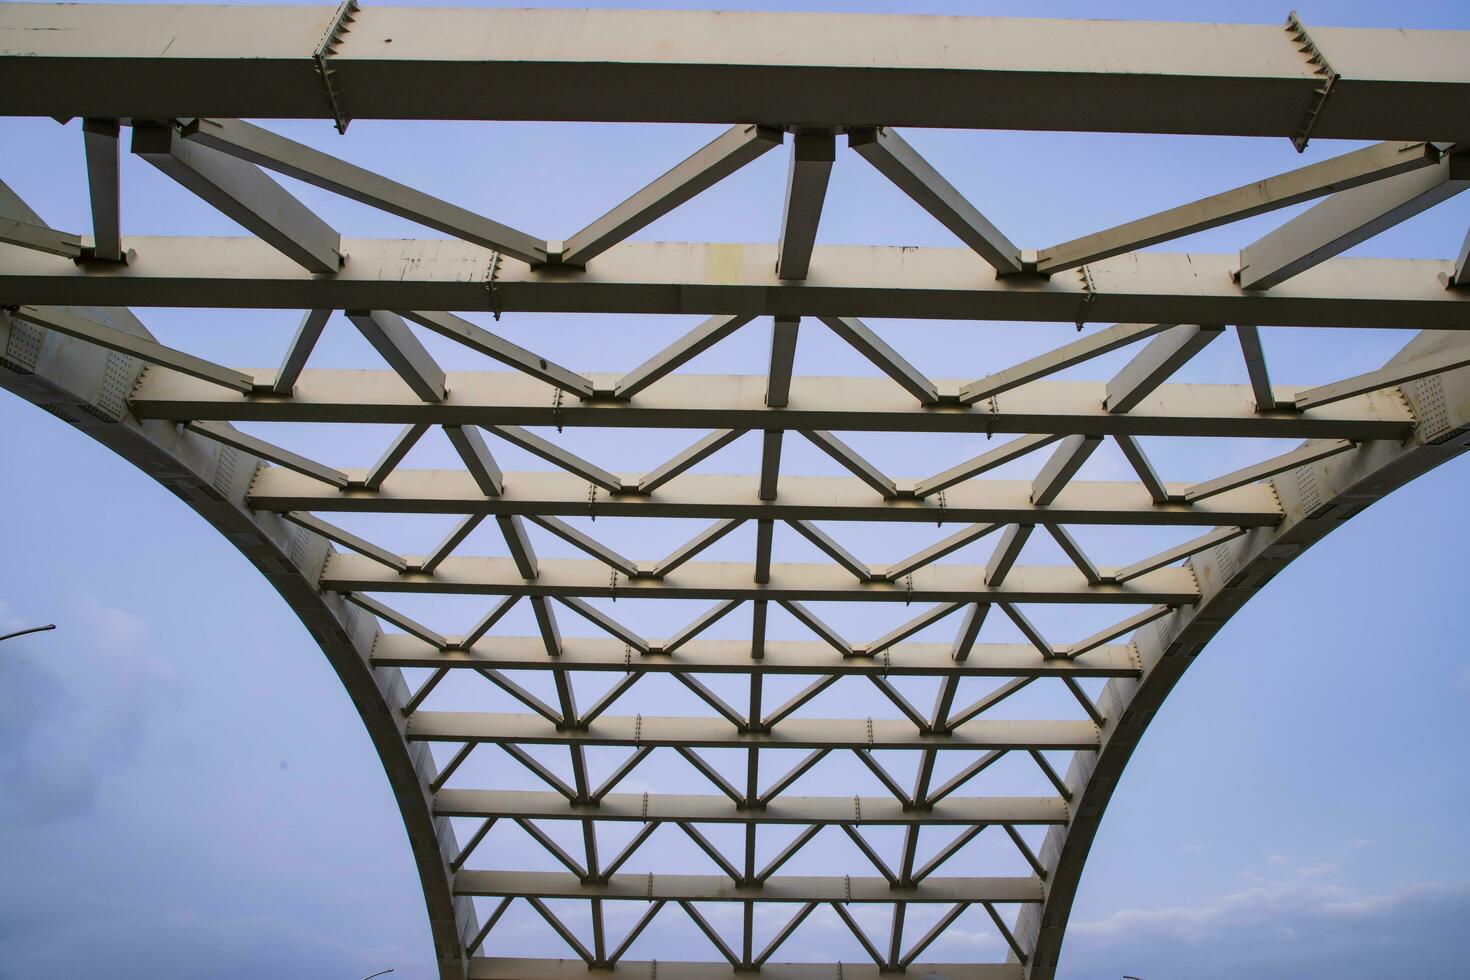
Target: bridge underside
[{"x": 924, "y": 620}]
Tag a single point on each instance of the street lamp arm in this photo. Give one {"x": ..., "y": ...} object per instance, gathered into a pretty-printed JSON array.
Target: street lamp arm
[{"x": 33, "y": 629}]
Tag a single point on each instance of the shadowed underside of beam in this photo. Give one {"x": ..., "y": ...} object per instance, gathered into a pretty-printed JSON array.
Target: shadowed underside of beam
[{"x": 945, "y": 734}]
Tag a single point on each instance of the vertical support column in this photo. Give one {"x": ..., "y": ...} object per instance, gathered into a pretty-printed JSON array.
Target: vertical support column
[
  {"x": 100, "y": 137},
  {"x": 812, "y": 156}
]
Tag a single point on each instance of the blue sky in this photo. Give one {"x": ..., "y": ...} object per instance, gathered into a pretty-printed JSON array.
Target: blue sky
[{"x": 185, "y": 790}]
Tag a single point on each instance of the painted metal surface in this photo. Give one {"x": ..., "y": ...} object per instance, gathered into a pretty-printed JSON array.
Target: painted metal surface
[{"x": 69, "y": 344}]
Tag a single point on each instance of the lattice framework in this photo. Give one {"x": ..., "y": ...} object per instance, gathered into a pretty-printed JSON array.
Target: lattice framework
[{"x": 69, "y": 343}]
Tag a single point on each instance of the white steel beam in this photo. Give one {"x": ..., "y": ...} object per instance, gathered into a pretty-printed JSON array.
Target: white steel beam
[
  {"x": 605, "y": 622},
  {"x": 1255, "y": 366},
  {"x": 895, "y": 159},
  {"x": 817, "y": 625},
  {"x": 1347, "y": 218},
  {"x": 479, "y": 339},
  {"x": 770, "y": 474},
  {"x": 784, "y": 330},
  {"x": 898, "y": 634},
  {"x": 781, "y": 656},
  {"x": 790, "y": 733},
  {"x": 513, "y": 968},
  {"x": 513, "y": 529},
  {"x": 424, "y": 690},
  {"x": 716, "y": 940},
  {"x": 308, "y": 332},
  {"x": 857, "y": 930},
  {"x": 479, "y": 462},
  {"x": 1029, "y": 630},
  {"x": 557, "y": 456},
  {"x": 392, "y": 338},
  {"x": 1398, "y": 373},
  {"x": 348, "y": 540},
  {"x": 231, "y": 436},
  {"x": 701, "y": 623},
  {"x": 1133, "y": 452},
  {"x": 27, "y": 234},
  {"x": 694, "y": 455},
  {"x": 393, "y": 455},
  {"x": 852, "y": 461},
  {"x": 686, "y": 348},
  {"x": 832, "y": 549},
  {"x": 975, "y": 710},
  {"x": 1098, "y": 640},
  {"x": 585, "y": 543},
  {"x": 719, "y": 888},
  {"x": 1017, "y": 949},
  {"x": 711, "y": 164},
  {"x": 789, "y": 582},
  {"x": 1309, "y": 453},
  {"x": 982, "y": 463},
  {"x": 739, "y": 281},
  {"x": 245, "y": 195},
  {"x": 486, "y": 623},
  {"x": 1007, "y": 550},
  {"x": 732, "y": 499},
  {"x": 704, "y": 656},
  {"x": 1074, "y": 551},
  {"x": 694, "y": 546},
  {"x": 867, "y": 343},
  {"x": 626, "y": 65},
  {"x": 963, "y": 647},
  {"x": 388, "y": 614},
  {"x": 1177, "y": 553},
  {"x": 100, "y": 139},
  {"x": 1059, "y": 469},
  {"x": 1461, "y": 274},
  {"x": 274, "y": 152},
  {"x": 812, "y": 155},
  {"x": 827, "y": 404},
  {"x": 1059, "y": 358},
  {"x": 1258, "y": 197},
  {"x": 73, "y": 325},
  {"x": 1155, "y": 364},
  {"x": 734, "y": 68}
]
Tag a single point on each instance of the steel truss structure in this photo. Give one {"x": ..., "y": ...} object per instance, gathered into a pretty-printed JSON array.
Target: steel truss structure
[{"x": 172, "y": 83}]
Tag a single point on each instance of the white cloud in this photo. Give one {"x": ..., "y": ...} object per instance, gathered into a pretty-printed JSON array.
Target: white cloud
[
  {"x": 8, "y": 619},
  {"x": 74, "y": 712},
  {"x": 110, "y": 624},
  {"x": 1302, "y": 921}
]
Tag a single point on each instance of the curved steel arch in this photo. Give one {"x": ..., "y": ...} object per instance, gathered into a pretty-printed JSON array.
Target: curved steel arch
[
  {"x": 68, "y": 344},
  {"x": 86, "y": 387},
  {"x": 1315, "y": 499}
]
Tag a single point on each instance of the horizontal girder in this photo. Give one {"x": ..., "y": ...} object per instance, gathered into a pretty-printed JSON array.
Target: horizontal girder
[
  {"x": 812, "y": 498},
  {"x": 736, "y": 401},
  {"x": 782, "y": 810},
  {"x": 663, "y": 277},
  {"x": 778, "y": 657},
  {"x": 510, "y": 968},
  {"x": 732, "y": 580},
  {"x": 687, "y": 66},
  {"x": 716, "y": 888},
  {"x": 68, "y": 342},
  {"x": 791, "y": 733}
]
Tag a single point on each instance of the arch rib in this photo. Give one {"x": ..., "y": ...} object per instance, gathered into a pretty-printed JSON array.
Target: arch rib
[
  {"x": 85, "y": 386},
  {"x": 68, "y": 345},
  {"x": 1316, "y": 498}
]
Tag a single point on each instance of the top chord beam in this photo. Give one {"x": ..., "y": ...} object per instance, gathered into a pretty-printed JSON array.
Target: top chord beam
[{"x": 158, "y": 62}]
